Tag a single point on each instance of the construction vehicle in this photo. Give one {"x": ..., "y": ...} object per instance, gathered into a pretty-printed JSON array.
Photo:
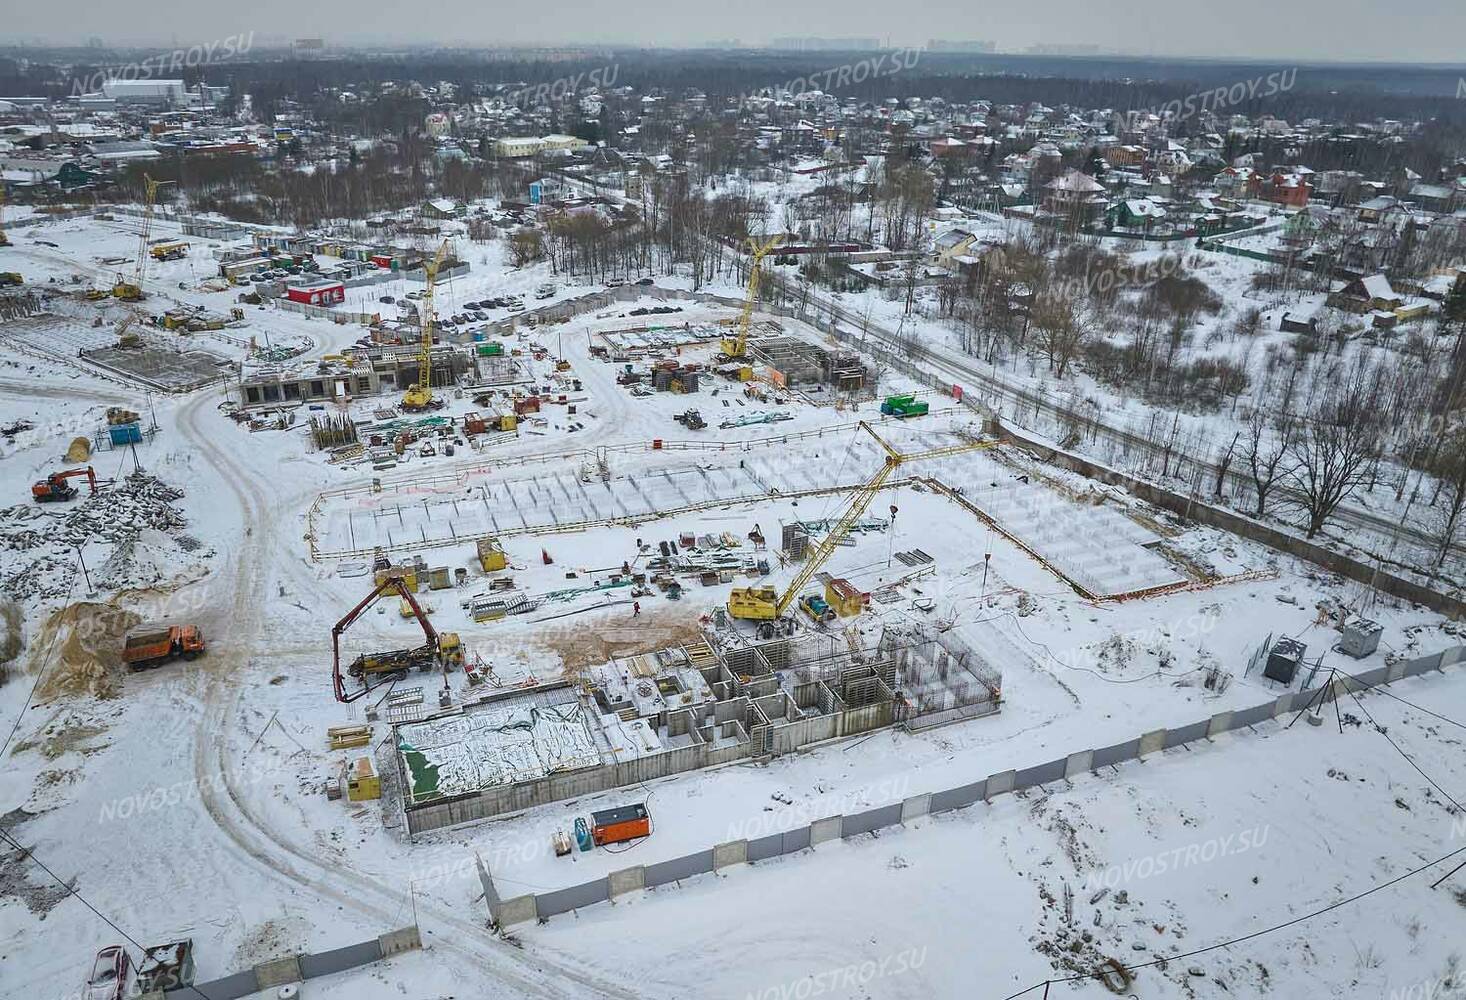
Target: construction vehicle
[
  {"x": 692, "y": 420},
  {"x": 766, "y": 605},
  {"x": 55, "y": 487},
  {"x": 904, "y": 406},
  {"x": 10, "y": 279},
  {"x": 132, "y": 291},
  {"x": 150, "y": 645},
  {"x": 420, "y": 396},
  {"x": 372, "y": 669},
  {"x": 171, "y": 250},
  {"x": 817, "y": 608},
  {"x": 735, "y": 348}
]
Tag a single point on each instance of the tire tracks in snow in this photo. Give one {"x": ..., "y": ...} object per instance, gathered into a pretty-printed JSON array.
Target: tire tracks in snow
[{"x": 538, "y": 973}]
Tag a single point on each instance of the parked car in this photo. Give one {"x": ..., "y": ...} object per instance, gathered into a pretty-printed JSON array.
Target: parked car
[
  {"x": 110, "y": 973},
  {"x": 644, "y": 281},
  {"x": 387, "y": 299},
  {"x": 480, "y": 316}
]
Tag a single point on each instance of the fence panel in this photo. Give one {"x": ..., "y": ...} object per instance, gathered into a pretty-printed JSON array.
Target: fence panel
[
  {"x": 766, "y": 847},
  {"x": 796, "y": 840},
  {"x": 871, "y": 819},
  {"x": 564, "y": 900},
  {"x": 241, "y": 984},
  {"x": 1031, "y": 776},
  {"x": 326, "y": 963},
  {"x": 1252, "y": 716},
  {"x": 1187, "y": 734},
  {"x": 956, "y": 798},
  {"x": 679, "y": 868},
  {"x": 1423, "y": 664},
  {"x": 1107, "y": 756}
]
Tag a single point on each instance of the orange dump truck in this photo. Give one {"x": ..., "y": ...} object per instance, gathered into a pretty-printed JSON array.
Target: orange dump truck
[
  {"x": 150, "y": 645},
  {"x": 613, "y": 826}
]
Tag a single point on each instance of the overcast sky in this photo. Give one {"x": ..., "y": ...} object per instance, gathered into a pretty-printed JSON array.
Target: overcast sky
[{"x": 1398, "y": 31}]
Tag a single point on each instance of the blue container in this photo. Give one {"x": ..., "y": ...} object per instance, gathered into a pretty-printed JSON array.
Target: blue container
[{"x": 126, "y": 434}]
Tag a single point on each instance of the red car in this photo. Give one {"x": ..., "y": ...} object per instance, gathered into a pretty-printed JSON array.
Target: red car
[{"x": 110, "y": 973}]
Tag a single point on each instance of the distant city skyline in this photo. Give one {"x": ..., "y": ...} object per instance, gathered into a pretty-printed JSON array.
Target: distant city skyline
[{"x": 1429, "y": 31}]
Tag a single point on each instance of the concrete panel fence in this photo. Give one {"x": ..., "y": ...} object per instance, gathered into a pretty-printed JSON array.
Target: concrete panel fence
[
  {"x": 530, "y": 907},
  {"x": 298, "y": 968}
]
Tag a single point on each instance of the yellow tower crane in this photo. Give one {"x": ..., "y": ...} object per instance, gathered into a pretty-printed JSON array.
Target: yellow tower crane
[
  {"x": 420, "y": 396},
  {"x": 736, "y": 346},
  {"x": 132, "y": 291},
  {"x": 765, "y": 603}
]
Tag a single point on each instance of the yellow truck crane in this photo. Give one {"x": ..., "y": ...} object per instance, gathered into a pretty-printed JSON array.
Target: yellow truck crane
[
  {"x": 765, "y": 603},
  {"x": 735, "y": 348},
  {"x": 420, "y": 396}
]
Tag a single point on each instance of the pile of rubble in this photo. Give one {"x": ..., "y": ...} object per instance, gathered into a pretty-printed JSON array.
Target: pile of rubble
[
  {"x": 120, "y": 513},
  {"x": 37, "y": 543}
]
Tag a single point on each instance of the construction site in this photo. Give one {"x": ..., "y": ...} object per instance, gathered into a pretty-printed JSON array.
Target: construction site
[{"x": 451, "y": 609}]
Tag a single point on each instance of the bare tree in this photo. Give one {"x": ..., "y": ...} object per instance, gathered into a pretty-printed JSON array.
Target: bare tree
[
  {"x": 1265, "y": 451},
  {"x": 1336, "y": 449},
  {"x": 1450, "y": 519}
]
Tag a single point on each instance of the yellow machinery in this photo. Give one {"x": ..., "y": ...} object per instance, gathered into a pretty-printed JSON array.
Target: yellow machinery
[
  {"x": 736, "y": 346},
  {"x": 765, "y": 603},
  {"x": 132, "y": 291},
  {"x": 420, "y": 396}
]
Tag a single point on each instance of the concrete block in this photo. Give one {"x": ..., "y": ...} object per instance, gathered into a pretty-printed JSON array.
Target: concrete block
[
  {"x": 624, "y": 881},
  {"x": 825, "y": 829},
  {"x": 916, "y": 807},
  {"x": 1395, "y": 671},
  {"x": 735, "y": 852},
  {"x": 1078, "y": 763},
  {"x": 1283, "y": 705},
  {"x": 519, "y": 910},
  {"x": 1220, "y": 723},
  {"x": 999, "y": 784},
  {"x": 1454, "y": 654},
  {"x": 1152, "y": 741},
  {"x": 400, "y": 940},
  {"x": 280, "y": 972}
]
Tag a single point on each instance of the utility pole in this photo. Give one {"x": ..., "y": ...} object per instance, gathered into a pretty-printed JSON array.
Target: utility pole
[{"x": 84, "y": 574}]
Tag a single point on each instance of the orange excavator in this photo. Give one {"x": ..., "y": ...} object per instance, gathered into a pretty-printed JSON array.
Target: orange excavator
[{"x": 55, "y": 486}]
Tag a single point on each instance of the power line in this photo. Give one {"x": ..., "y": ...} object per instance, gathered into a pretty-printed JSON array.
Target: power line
[
  {"x": 1316, "y": 913},
  {"x": 26, "y": 852},
  {"x": 1255, "y": 934},
  {"x": 46, "y": 662},
  {"x": 1411, "y": 760}
]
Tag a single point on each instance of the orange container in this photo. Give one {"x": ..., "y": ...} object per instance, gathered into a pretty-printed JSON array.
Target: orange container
[{"x": 615, "y": 826}]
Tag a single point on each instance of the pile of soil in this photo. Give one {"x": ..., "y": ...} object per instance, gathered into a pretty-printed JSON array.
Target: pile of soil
[{"x": 80, "y": 649}]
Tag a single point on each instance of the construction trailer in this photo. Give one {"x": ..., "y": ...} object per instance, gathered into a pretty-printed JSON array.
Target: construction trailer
[
  {"x": 616, "y": 826},
  {"x": 361, "y": 781}
]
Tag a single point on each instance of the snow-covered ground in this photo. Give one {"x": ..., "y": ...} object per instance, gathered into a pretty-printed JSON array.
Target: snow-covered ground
[{"x": 188, "y": 800}]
